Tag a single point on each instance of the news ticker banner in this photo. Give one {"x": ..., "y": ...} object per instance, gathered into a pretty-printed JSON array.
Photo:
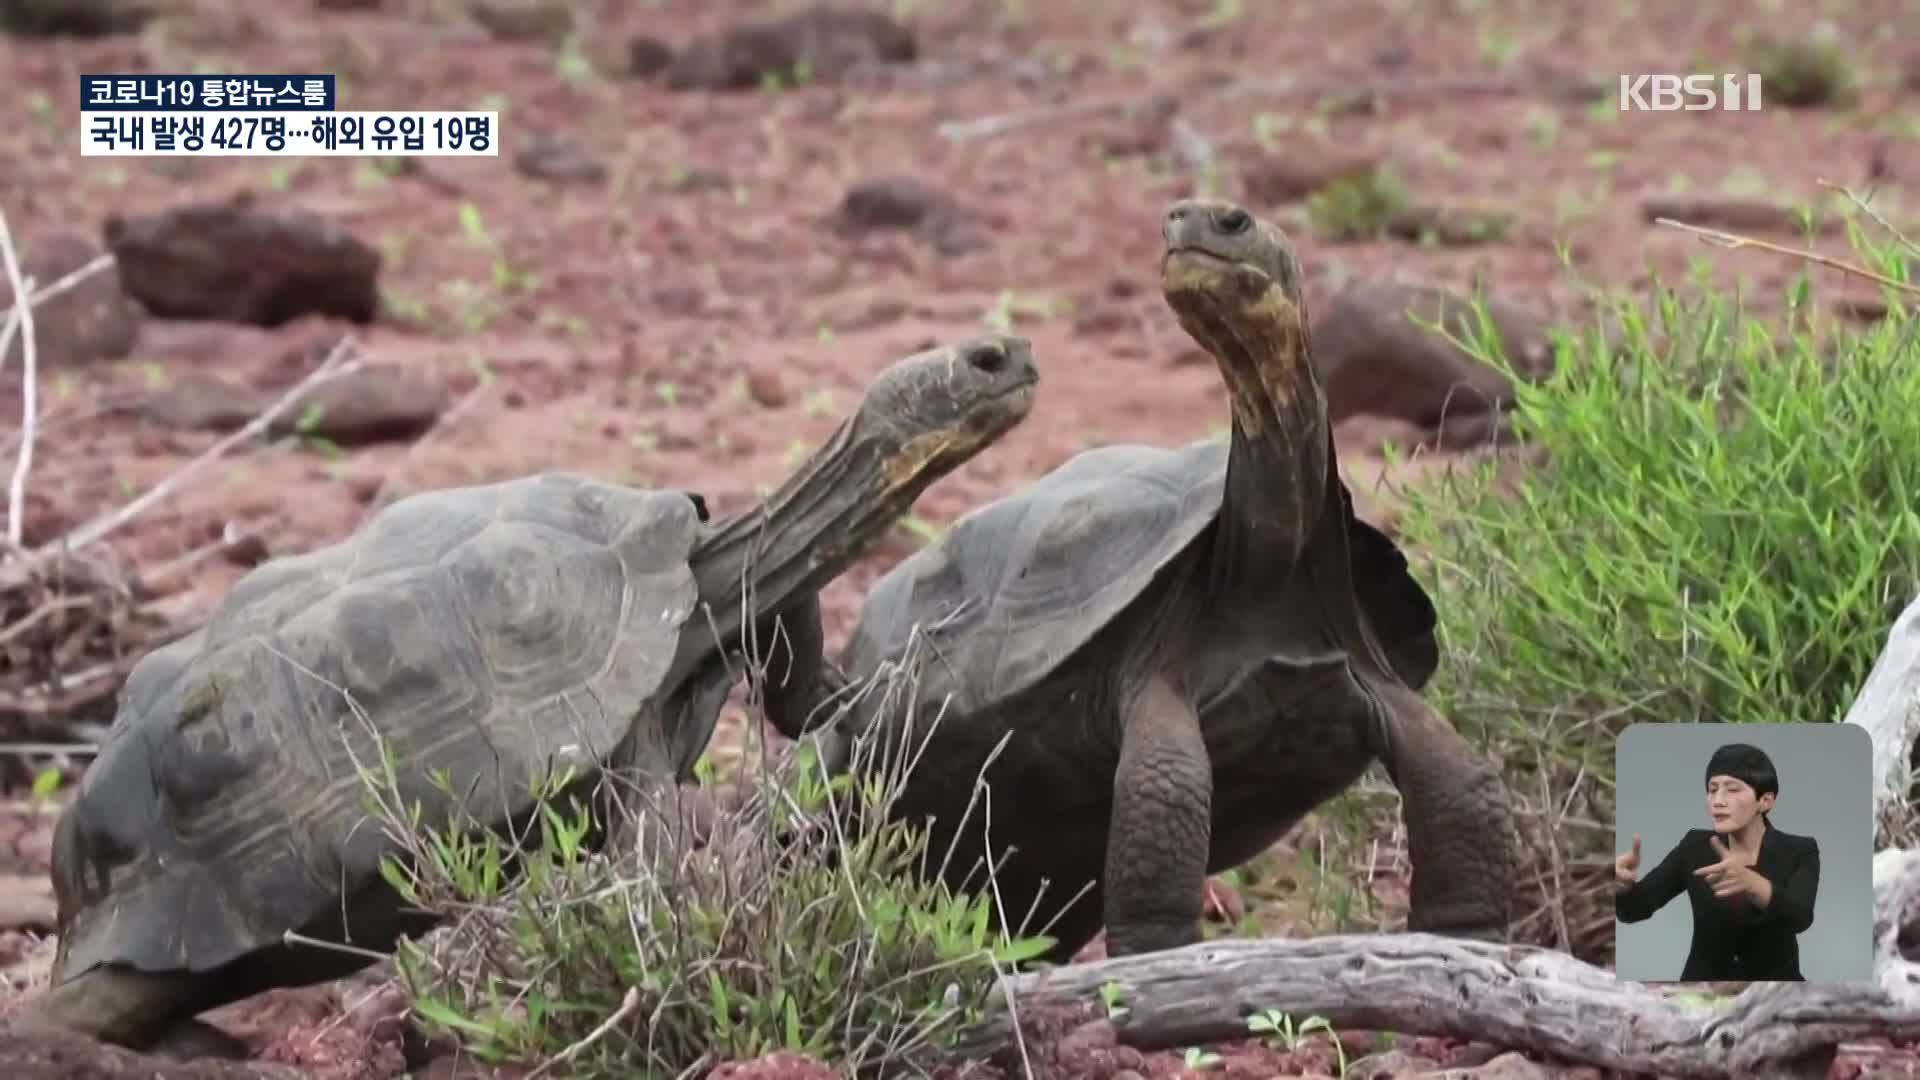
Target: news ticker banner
[{"x": 263, "y": 116}]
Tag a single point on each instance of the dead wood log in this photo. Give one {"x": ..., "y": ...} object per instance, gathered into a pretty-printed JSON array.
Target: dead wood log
[
  {"x": 1888, "y": 707},
  {"x": 1526, "y": 997}
]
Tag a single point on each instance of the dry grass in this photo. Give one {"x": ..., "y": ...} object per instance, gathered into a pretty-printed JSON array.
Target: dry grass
[{"x": 619, "y": 926}]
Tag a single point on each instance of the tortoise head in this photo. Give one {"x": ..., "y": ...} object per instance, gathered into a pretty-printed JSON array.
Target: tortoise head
[
  {"x": 1234, "y": 283},
  {"x": 928, "y": 413},
  {"x": 1217, "y": 251},
  {"x": 922, "y": 417}
]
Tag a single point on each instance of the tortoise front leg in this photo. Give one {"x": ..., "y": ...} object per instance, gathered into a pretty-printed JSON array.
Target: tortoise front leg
[
  {"x": 117, "y": 1005},
  {"x": 1156, "y": 871},
  {"x": 1455, "y": 807}
]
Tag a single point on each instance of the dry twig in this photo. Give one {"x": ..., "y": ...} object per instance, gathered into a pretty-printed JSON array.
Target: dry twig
[
  {"x": 232, "y": 535},
  {"x": 21, "y": 317},
  {"x": 629, "y": 1003},
  {"x": 75, "y": 624},
  {"x": 334, "y": 366},
  {"x": 1736, "y": 242},
  {"x": 1878, "y": 219},
  {"x": 73, "y": 628},
  {"x": 61, "y": 285},
  {"x": 25, "y": 749}
]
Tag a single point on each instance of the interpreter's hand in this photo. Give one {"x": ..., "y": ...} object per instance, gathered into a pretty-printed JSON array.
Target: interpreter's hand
[
  {"x": 1733, "y": 875},
  {"x": 1625, "y": 865}
]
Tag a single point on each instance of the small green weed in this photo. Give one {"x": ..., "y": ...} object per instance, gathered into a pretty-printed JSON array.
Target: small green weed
[
  {"x": 1280, "y": 1032},
  {"x": 1200, "y": 1059}
]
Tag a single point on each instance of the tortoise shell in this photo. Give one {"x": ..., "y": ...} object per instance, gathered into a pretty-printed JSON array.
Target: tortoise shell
[
  {"x": 487, "y": 634},
  {"x": 1017, "y": 586}
]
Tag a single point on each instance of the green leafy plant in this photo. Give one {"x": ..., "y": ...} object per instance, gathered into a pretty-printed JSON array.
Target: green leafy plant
[{"x": 1720, "y": 527}]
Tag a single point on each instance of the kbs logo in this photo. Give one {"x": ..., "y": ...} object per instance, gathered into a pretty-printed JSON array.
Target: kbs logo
[{"x": 1689, "y": 93}]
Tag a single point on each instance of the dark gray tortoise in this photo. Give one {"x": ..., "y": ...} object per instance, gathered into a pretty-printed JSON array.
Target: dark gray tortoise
[
  {"x": 492, "y": 633},
  {"x": 1185, "y": 650}
]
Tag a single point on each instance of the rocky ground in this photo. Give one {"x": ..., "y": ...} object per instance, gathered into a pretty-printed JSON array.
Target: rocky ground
[{"x": 681, "y": 270}]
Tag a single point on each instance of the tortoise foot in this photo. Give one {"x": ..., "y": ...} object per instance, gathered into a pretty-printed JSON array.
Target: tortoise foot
[
  {"x": 127, "y": 1008},
  {"x": 1136, "y": 938},
  {"x": 1492, "y": 935},
  {"x": 1465, "y": 921}
]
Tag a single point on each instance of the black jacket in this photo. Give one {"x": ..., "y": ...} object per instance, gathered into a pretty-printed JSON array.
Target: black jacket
[{"x": 1734, "y": 940}]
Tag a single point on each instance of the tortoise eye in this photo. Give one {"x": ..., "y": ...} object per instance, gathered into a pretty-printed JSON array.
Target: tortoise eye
[{"x": 1235, "y": 221}]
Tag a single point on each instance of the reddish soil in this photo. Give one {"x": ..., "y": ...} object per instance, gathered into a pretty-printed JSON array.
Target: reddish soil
[{"x": 691, "y": 313}]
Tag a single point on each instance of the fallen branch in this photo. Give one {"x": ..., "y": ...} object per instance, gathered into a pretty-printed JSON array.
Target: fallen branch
[
  {"x": 1888, "y": 707},
  {"x": 1523, "y": 997},
  {"x": 1526, "y": 997}
]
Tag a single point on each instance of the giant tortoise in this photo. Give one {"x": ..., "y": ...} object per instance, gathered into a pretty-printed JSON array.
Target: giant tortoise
[
  {"x": 1183, "y": 650},
  {"x": 487, "y": 634}
]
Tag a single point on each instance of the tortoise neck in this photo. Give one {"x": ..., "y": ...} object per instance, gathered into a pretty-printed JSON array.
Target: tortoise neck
[
  {"x": 1280, "y": 459},
  {"x": 810, "y": 530},
  {"x": 1285, "y": 513}
]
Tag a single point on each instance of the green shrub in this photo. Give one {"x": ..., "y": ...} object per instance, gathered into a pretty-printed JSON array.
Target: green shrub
[
  {"x": 772, "y": 928},
  {"x": 1720, "y": 526}
]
